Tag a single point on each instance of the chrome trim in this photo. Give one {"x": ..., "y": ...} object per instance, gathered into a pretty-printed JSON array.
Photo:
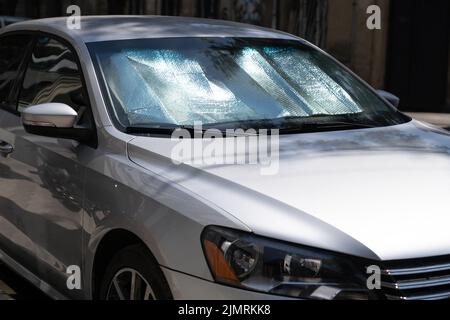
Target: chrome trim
[
  {"x": 417, "y": 284},
  {"x": 427, "y": 284},
  {"x": 418, "y": 270},
  {"x": 436, "y": 296}
]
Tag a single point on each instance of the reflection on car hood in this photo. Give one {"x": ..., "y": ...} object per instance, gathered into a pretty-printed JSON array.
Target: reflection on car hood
[{"x": 380, "y": 193}]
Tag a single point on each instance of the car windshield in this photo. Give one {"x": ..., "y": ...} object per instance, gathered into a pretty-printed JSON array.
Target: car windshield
[{"x": 230, "y": 83}]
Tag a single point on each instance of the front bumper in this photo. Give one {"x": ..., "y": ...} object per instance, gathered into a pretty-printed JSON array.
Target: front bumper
[{"x": 185, "y": 287}]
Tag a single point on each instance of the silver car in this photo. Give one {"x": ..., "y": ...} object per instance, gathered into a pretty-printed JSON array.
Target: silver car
[{"x": 94, "y": 205}]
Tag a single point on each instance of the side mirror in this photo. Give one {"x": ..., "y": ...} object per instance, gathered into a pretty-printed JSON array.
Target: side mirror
[
  {"x": 389, "y": 97},
  {"x": 50, "y": 115},
  {"x": 56, "y": 120}
]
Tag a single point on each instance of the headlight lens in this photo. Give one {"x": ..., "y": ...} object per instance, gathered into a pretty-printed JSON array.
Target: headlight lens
[{"x": 243, "y": 260}]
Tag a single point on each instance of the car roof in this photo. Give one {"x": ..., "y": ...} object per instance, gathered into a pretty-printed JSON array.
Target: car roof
[{"x": 106, "y": 28}]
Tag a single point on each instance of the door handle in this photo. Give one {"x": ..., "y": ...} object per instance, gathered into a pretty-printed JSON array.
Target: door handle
[{"x": 5, "y": 148}]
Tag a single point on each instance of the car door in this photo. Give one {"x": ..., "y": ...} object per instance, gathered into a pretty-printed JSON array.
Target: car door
[
  {"x": 51, "y": 191},
  {"x": 13, "y": 240}
]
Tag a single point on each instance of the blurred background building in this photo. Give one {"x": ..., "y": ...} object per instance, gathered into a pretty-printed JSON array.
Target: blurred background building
[{"x": 409, "y": 56}]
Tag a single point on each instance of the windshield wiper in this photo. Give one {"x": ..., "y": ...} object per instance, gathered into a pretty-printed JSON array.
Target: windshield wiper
[
  {"x": 167, "y": 129},
  {"x": 343, "y": 124},
  {"x": 298, "y": 124},
  {"x": 163, "y": 129},
  {"x": 324, "y": 119},
  {"x": 321, "y": 122},
  {"x": 310, "y": 127}
]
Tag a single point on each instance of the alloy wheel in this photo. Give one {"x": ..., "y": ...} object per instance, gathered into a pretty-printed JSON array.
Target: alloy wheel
[{"x": 129, "y": 284}]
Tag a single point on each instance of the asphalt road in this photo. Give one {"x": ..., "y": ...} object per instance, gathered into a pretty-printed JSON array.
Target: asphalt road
[{"x": 13, "y": 287}]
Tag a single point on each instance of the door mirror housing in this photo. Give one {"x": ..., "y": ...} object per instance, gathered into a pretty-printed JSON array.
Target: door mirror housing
[
  {"x": 389, "y": 97},
  {"x": 56, "y": 120},
  {"x": 50, "y": 115}
]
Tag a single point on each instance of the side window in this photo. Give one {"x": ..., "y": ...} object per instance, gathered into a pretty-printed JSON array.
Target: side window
[
  {"x": 12, "y": 53},
  {"x": 52, "y": 75}
]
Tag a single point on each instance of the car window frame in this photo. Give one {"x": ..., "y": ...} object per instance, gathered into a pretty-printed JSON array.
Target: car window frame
[
  {"x": 36, "y": 35},
  {"x": 15, "y": 89}
]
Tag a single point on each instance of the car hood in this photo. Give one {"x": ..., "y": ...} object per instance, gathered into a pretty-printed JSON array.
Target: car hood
[{"x": 380, "y": 193}]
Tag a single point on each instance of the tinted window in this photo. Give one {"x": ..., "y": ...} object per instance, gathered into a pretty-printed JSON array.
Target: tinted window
[
  {"x": 11, "y": 56},
  {"x": 52, "y": 76}
]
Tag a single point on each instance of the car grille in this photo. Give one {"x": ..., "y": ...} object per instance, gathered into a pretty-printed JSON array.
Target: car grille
[{"x": 422, "y": 279}]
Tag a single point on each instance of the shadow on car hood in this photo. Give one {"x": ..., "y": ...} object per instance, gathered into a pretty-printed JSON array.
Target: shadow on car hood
[{"x": 380, "y": 193}]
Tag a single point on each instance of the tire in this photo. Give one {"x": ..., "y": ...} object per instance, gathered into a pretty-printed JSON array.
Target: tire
[{"x": 134, "y": 261}]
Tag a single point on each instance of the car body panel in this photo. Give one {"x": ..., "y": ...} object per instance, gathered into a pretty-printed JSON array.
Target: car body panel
[
  {"x": 200, "y": 289},
  {"x": 31, "y": 277},
  {"x": 120, "y": 195},
  {"x": 106, "y": 28},
  {"x": 334, "y": 190},
  {"x": 41, "y": 202}
]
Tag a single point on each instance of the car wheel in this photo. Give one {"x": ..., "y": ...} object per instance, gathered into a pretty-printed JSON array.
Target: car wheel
[{"x": 133, "y": 274}]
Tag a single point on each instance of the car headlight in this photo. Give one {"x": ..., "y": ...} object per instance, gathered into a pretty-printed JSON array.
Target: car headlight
[{"x": 254, "y": 263}]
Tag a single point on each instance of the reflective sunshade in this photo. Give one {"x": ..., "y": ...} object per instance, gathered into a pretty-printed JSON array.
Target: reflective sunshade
[{"x": 227, "y": 80}]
